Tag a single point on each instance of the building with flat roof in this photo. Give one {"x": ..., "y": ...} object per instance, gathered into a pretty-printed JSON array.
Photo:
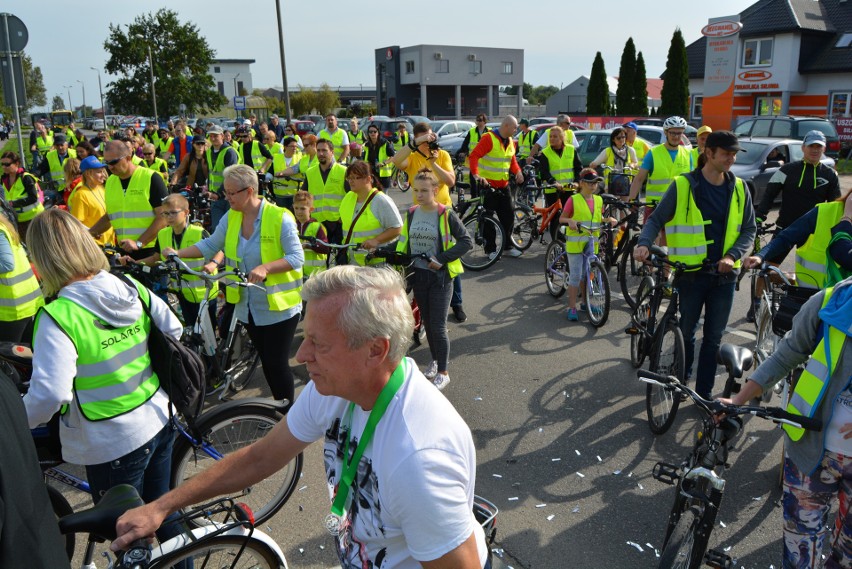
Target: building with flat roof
[
  {"x": 445, "y": 80},
  {"x": 232, "y": 77}
]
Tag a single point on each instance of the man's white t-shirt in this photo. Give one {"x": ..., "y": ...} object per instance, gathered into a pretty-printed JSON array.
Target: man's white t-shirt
[{"x": 412, "y": 498}]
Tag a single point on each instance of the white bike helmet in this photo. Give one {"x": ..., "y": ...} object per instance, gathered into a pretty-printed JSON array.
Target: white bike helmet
[{"x": 674, "y": 122}]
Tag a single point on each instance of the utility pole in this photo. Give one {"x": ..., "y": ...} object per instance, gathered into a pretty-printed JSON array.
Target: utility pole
[
  {"x": 283, "y": 66},
  {"x": 83, "y": 85},
  {"x": 101, "y": 91}
]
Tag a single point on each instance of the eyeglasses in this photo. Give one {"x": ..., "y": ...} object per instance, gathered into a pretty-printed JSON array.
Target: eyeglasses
[
  {"x": 171, "y": 213},
  {"x": 479, "y": 120},
  {"x": 6, "y": 164},
  {"x": 372, "y": 132},
  {"x": 147, "y": 154},
  {"x": 114, "y": 161},
  {"x": 621, "y": 138},
  {"x": 232, "y": 194}
]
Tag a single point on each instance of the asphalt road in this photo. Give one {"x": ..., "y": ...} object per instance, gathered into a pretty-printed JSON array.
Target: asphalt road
[{"x": 563, "y": 446}]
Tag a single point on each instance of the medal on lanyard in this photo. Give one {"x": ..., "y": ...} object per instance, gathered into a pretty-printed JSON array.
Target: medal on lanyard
[{"x": 335, "y": 521}]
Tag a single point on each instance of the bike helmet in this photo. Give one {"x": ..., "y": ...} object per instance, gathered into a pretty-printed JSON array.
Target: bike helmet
[{"x": 674, "y": 122}]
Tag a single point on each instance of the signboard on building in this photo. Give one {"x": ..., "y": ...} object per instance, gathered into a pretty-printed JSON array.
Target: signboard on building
[
  {"x": 844, "y": 128},
  {"x": 720, "y": 70}
]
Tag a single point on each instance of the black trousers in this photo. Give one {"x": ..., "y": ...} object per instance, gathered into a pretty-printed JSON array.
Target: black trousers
[
  {"x": 273, "y": 343},
  {"x": 500, "y": 202}
]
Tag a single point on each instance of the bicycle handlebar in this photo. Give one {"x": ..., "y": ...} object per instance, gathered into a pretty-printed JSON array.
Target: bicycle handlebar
[
  {"x": 716, "y": 407},
  {"x": 184, "y": 268},
  {"x": 766, "y": 268},
  {"x": 314, "y": 241}
]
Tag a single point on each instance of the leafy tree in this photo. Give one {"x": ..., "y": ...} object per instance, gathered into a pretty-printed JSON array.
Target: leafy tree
[
  {"x": 303, "y": 102},
  {"x": 33, "y": 85},
  {"x": 541, "y": 93},
  {"x": 57, "y": 103},
  {"x": 675, "y": 95},
  {"x": 275, "y": 106},
  {"x": 326, "y": 99},
  {"x": 639, "y": 103},
  {"x": 597, "y": 93},
  {"x": 626, "y": 74},
  {"x": 181, "y": 59}
]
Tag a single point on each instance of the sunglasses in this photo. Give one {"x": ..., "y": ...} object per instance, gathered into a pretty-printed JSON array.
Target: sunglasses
[
  {"x": 115, "y": 161},
  {"x": 232, "y": 194},
  {"x": 6, "y": 164}
]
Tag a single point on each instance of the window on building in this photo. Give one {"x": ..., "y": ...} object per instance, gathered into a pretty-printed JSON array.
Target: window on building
[
  {"x": 217, "y": 69},
  {"x": 476, "y": 67},
  {"x": 451, "y": 102},
  {"x": 765, "y": 106},
  {"x": 840, "y": 104},
  {"x": 697, "y": 105},
  {"x": 221, "y": 87},
  {"x": 757, "y": 52},
  {"x": 240, "y": 88},
  {"x": 508, "y": 68},
  {"x": 409, "y": 66},
  {"x": 844, "y": 41},
  {"x": 443, "y": 66},
  {"x": 481, "y": 102}
]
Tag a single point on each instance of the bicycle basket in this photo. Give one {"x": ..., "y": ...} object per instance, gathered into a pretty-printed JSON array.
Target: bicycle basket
[
  {"x": 619, "y": 185},
  {"x": 789, "y": 305},
  {"x": 486, "y": 514}
]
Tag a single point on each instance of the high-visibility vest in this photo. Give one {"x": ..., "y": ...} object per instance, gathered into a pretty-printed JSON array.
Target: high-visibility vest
[
  {"x": 275, "y": 148},
  {"x": 495, "y": 165},
  {"x": 159, "y": 166},
  {"x": 812, "y": 384},
  {"x": 357, "y": 137},
  {"x": 575, "y": 241},
  {"x": 640, "y": 147},
  {"x": 216, "y": 176},
  {"x": 665, "y": 170},
  {"x": 366, "y": 227},
  {"x": 137, "y": 160},
  {"x": 336, "y": 140},
  {"x": 163, "y": 145},
  {"x": 283, "y": 290},
  {"x": 257, "y": 157},
  {"x": 328, "y": 194},
  {"x": 43, "y": 144},
  {"x": 561, "y": 167},
  {"x": 447, "y": 242},
  {"x": 525, "y": 143},
  {"x": 191, "y": 286},
  {"x": 382, "y": 150},
  {"x": 812, "y": 256},
  {"x": 306, "y": 162},
  {"x": 130, "y": 211},
  {"x": 17, "y": 191},
  {"x": 57, "y": 173},
  {"x": 72, "y": 138},
  {"x": 474, "y": 138},
  {"x": 314, "y": 262},
  {"x": 569, "y": 137},
  {"x": 20, "y": 295},
  {"x": 685, "y": 230},
  {"x": 283, "y": 186},
  {"x": 610, "y": 158},
  {"x": 114, "y": 374},
  {"x": 402, "y": 139}
]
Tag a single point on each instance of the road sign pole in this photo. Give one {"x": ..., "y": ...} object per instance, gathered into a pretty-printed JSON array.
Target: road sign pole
[{"x": 8, "y": 48}]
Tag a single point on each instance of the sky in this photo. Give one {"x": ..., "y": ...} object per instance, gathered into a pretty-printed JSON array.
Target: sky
[{"x": 328, "y": 43}]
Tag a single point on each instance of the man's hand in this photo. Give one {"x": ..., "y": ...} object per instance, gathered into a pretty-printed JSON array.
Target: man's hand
[
  {"x": 752, "y": 262},
  {"x": 519, "y": 177},
  {"x": 168, "y": 251},
  {"x": 428, "y": 137},
  {"x": 725, "y": 265},
  {"x": 370, "y": 244},
  {"x": 641, "y": 253},
  {"x": 138, "y": 523},
  {"x": 558, "y": 186},
  {"x": 128, "y": 245},
  {"x": 258, "y": 274}
]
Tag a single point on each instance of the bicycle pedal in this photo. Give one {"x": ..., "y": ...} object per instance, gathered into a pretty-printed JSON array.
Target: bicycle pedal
[
  {"x": 718, "y": 559},
  {"x": 667, "y": 473},
  {"x": 633, "y": 330}
]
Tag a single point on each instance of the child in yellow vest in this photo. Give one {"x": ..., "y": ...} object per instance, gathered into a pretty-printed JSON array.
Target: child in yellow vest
[{"x": 315, "y": 255}]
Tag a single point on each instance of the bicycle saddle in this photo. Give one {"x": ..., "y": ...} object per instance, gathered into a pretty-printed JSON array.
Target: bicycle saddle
[
  {"x": 19, "y": 353},
  {"x": 659, "y": 251},
  {"x": 736, "y": 359},
  {"x": 100, "y": 520}
]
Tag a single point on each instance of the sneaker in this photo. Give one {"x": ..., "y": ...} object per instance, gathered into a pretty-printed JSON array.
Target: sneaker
[
  {"x": 492, "y": 255},
  {"x": 513, "y": 253},
  {"x": 572, "y": 315},
  {"x": 432, "y": 370},
  {"x": 441, "y": 381},
  {"x": 752, "y": 311},
  {"x": 458, "y": 312}
]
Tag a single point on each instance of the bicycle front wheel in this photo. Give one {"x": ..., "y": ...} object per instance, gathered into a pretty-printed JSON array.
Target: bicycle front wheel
[
  {"x": 222, "y": 551},
  {"x": 597, "y": 294},
  {"x": 479, "y": 258},
  {"x": 669, "y": 358},
  {"x": 225, "y": 433},
  {"x": 679, "y": 552},
  {"x": 524, "y": 231},
  {"x": 556, "y": 269},
  {"x": 631, "y": 272},
  {"x": 401, "y": 179},
  {"x": 239, "y": 362}
]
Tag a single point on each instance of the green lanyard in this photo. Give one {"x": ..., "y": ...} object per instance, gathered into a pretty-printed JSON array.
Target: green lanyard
[{"x": 351, "y": 465}]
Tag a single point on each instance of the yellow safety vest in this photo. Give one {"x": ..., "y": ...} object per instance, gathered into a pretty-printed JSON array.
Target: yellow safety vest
[
  {"x": 812, "y": 256},
  {"x": 130, "y": 211},
  {"x": 159, "y": 166},
  {"x": 569, "y": 137},
  {"x": 329, "y": 194},
  {"x": 283, "y": 290},
  {"x": 454, "y": 267},
  {"x": 17, "y": 191},
  {"x": 641, "y": 148},
  {"x": 575, "y": 241},
  {"x": 216, "y": 176},
  {"x": 57, "y": 173},
  {"x": 665, "y": 170},
  {"x": 685, "y": 230},
  {"x": 525, "y": 143},
  {"x": 367, "y": 227},
  {"x": 495, "y": 165},
  {"x": 43, "y": 144},
  {"x": 164, "y": 144},
  {"x": 282, "y": 186},
  {"x": 20, "y": 295},
  {"x": 191, "y": 286},
  {"x": 114, "y": 374},
  {"x": 72, "y": 138},
  {"x": 402, "y": 139},
  {"x": 275, "y": 148},
  {"x": 810, "y": 388},
  {"x": 314, "y": 262},
  {"x": 561, "y": 167},
  {"x": 336, "y": 140},
  {"x": 257, "y": 158}
]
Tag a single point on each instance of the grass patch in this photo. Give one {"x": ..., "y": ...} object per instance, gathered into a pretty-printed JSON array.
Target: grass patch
[{"x": 844, "y": 166}]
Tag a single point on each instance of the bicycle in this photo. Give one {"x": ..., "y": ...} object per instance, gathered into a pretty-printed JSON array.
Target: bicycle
[
  {"x": 594, "y": 279},
  {"x": 699, "y": 478},
  {"x": 530, "y": 193},
  {"x": 479, "y": 222},
  {"x": 234, "y": 542},
  {"x": 760, "y": 238},
  {"x": 630, "y": 271},
  {"x": 613, "y": 243},
  {"x": 661, "y": 339},
  {"x": 618, "y": 181},
  {"x": 532, "y": 223},
  {"x": 400, "y": 179}
]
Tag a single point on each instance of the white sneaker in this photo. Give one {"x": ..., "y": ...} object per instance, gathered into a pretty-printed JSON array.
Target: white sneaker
[
  {"x": 441, "y": 381},
  {"x": 513, "y": 253},
  {"x": 492, "y": 255},
  {"x": 432, "y": 370}
]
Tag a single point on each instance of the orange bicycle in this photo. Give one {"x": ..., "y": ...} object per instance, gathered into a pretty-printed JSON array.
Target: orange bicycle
[{"x": 532, "y": 223}]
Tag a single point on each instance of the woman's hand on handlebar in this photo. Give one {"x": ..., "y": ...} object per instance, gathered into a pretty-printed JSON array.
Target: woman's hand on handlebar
[
  {"x": 752, "y": 262},
  {"x": 258, "y": 274},
  {"x": 641, "y": 253},
  {"x": 725, "y": 265},
  {"x": 210, "y": 267},
  {"x": 168, "y": 252},
  {"x": 572, "y": 223}
]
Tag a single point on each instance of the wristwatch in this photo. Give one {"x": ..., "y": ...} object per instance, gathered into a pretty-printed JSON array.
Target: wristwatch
[{"x": 139, "y": 245}]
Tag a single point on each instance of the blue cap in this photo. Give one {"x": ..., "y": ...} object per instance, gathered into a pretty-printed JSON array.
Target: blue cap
[
  {"x": 90, "y": 163},
  {"x": 631, "y": 124},
  {"x": 814, "y": 137}
]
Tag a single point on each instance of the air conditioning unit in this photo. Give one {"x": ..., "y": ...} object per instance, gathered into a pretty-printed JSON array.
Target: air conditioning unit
[
  {"x": 471, "y": 57},
  {"x": 439, "y": 55}
]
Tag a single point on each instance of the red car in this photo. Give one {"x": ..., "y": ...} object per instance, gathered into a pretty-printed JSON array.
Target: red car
[{"x": 304, "y": 127}]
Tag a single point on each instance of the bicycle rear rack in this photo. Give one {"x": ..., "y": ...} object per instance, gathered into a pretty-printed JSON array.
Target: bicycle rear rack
[{"x": 667, "y": 473}]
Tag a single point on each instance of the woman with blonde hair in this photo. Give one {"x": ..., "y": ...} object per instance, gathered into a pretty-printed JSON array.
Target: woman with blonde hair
[
  {"x": 87, "y": 200},
  {"x": 91, "y": 363},
  {"x": 20, "y": 295},
  {"x": 71, "y": 168}
]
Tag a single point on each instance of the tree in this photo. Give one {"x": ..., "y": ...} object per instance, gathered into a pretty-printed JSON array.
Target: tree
[
  {"x": 639, "y": 103},
  {"x": 275, "y": 106},
  {"x": 597, "y": 93},
  {"x": 326, "y": 100},
  {"x": 57, "y": 103},
  {"x": 303, "y": 102},
  {"x": 181, "y": 59},
  {"x": 33, "y": 86},
  {"x": 626, "y": 74},
  {"x": 675, "y": 95}
]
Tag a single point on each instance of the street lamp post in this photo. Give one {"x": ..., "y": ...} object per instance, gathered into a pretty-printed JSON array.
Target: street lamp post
[
  {"x": 236, "y": 94},
  {"x": 101, "y": 91},
  {"x": 83, "y": 85},
  {"x": 151, "y": 66},
  {"x": 283, "y": 67},
  {"x": 70, "y": 105}
]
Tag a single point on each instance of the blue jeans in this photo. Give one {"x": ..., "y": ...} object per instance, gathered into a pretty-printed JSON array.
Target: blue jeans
[
  {"x": 218, "y": 209},
  {"x": 457, "y": 298},
  {"x": 716, "y": 293}
]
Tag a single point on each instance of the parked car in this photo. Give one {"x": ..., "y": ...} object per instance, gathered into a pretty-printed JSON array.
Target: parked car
[
  {"x": 755, "y": 167},
  {"x": 451, "y": 144},
  {"x": 591, "y": 144},
  {"x": 414, "y": 119},
  {"x": 98, "y": 124},
  {"x": 656, "y": 135},
  {"x": 451, "y": 128},
  {"x": 304, "y": 127},
  {"x": 788, "y": 126},
  {"x": 313, "y": 118},
  {"x": 541, "y": 120},
  {"x": 387, "y": 127},
  {"x": 230, "y": 124}
]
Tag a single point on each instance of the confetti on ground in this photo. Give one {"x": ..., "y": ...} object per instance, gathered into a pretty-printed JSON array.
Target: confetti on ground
[
  {"x": 576, "y": 510},
  {"x": 722, "y": 524},
  {"x": 301, "y": 508},
  {"x": 497, "y": 475},
  {"x": 616, "y": 472},
  {"x": 540, "y": 505},
  {"x": 636, "y": 545},
  {"x": 513, "y": 499},
  {"x": 550, "y": 517},
  {"x": 268, "y": 528},
  {"x": 555, "y": 459},
  {"x": 727, "y": 549},
  {"x": 581, "y": 475},
  {"x": 540, "y": 430},
  {"x": 322, "y": 547},
  {"x": 303, "y": 488},
  {"x": 498, "y": 552},
  {"x": 516, "y": 484},
  {"x": 599, "y": 459},
  {"x": 477, "y": 398},
  {"x": 578, "y": 452},
  {"x": 757, "y": 499},
  {"x": 302, "y": 551},
  {"x": 639, "y": 484},
  {"x": 630, "y": 475}
]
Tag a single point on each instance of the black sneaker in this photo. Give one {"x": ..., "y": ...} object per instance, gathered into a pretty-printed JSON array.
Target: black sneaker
[{"x": 458, "y": 312}]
